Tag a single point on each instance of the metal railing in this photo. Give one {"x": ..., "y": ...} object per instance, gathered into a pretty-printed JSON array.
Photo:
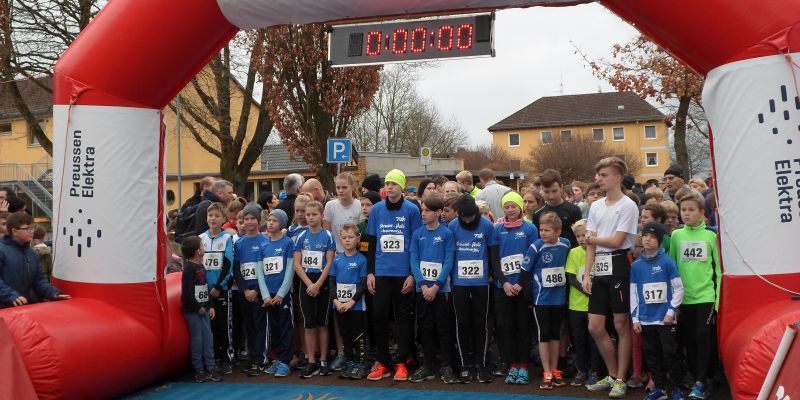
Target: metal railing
[{"x": 32, "y": 179}]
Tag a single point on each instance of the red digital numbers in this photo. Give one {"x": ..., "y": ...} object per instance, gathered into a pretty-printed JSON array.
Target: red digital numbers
[
  {"x": 445, "y": 38},
  {"x": 374, "y": 43},
  {"x": 400, "y": 41},
  {"x": 418, "y": 37},
  {"x": 464, "y": 41}
]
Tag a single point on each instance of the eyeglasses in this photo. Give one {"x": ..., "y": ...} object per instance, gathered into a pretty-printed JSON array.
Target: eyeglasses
[{"x": 26, "y": 228}]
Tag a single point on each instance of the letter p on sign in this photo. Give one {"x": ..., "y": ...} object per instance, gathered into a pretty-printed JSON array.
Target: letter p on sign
[{"x": 339, "y": 151}]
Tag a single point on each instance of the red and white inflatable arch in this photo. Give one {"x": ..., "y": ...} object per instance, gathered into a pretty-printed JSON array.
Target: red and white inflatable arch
[{"x": 124, "y": 329}]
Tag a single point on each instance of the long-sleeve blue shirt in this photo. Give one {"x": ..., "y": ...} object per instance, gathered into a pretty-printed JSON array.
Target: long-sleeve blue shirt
[
  {"x": 349, "y": 271},
  {"x": 218, "y": 258},
  {"x": 432, "y": 254},
  {"x": 248, "y": 261},
  {"x": 656, "y": 289},
  {"x": 392, "y": 230},
  {"x": 512, "y": 245},
  {"x": 472, "y": 253},
  {"x": 278, "y": 268},
  {"x": 546, "y": 261}
]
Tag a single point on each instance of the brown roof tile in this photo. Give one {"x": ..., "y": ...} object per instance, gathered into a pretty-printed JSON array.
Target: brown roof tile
[
  {"x": 580, "y": 109},
  {"x": 39, "y": 101}
]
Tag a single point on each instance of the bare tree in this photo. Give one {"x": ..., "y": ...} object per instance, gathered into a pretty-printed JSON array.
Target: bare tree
[
  {"x": 34, "y": 35},
  {"x": 424, "y": 126},
  {"x": 575, "y": 158},
  {"x": 485, "y": 156}
]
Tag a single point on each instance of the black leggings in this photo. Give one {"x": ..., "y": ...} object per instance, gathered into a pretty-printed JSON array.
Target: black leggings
[
  {"x": 471, "y": 305},
  {"x": 352, "y": 325},
  {"x": 513, "y": 327},
  {"x": 696, "y": 322},
  {"x": 389, "y": 300},
  {"x": 587, "y": 358},
  {"x": 436, "y": 327},
  {"x": 661, "y": 354}
]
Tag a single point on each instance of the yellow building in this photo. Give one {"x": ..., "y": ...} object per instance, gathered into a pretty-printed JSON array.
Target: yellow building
[{"x": 622, "y": 120}]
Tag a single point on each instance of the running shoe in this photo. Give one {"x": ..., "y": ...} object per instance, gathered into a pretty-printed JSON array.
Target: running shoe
[
  {"x": 656, "y": 394},
  {"x": 424, "y": 373},
  {"x": 339, "y": 362},
  {"x": 601, "y": 386},
  {"x": 500, "y": 369},
  {"x": 256, "y": 369},
  {"x": 592, "y": 378},
  {"x": 465, "y": 376},
  {"x": 698, "y": 391},
  {"x": 282, "y": 370},
  {"x": 484, "y": 375},
  {"x": 511, "y": 378},
  {"x": 271, "y": 369},
  {"x": 378, "y": 372},
  {"x": 579, "y": 379},
  {"x": 448, "y": 376},
  {"x": 214, "y": 376},
  {"x": 400, "y": 372},
  {"x": 618, "y": 389},
  {"x": 558, "y": 378},
  {"x": 312, "y": 369},
  {"x": 324, "y": 368},
  {"x": 677, "y": 394},
  {"x": 634, "y": 382},
  {"x": 225, "y": 368},
  {"x": 547, "y": 381},
  {"x": 346, "y": 370},
  {"x": 359, "y": 371},
  {"x": 199, "y": 377},
  {"x": 522, "y": 377}
]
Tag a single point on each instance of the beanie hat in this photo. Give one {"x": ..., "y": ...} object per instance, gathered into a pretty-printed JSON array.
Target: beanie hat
[
  {"x": 15, "y": 204},
  {"x": 676, "y": 170},
  {"x": 372, "y": 183},
  {"x": 374, "y": 197},
  {"x": 513, "y": 197},
  {"x": 283, "y": 219},
  {"x": 628, "y": 181},
  {"x": 397, "y": 177},
  {"x": 466, "y": 207},
  {"x": 656, "y": 229},
  {"x": 253, "y": 209}
]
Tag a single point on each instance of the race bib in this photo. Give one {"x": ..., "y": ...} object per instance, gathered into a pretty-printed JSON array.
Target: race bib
[
  {"x": 430, "y": 271},
  {"x": 603, "y": 265},
  {"x": 201, "y": 293},
  {"x": 312, "y": 259},
  {"x": 273, "y": 265},
  {"x": 693, "y": 251},
  {"x": 470, "y": 269},
  {"x": 655, "y": 293},
  {"x": 345, "y": 291},
  {"x": 512, "y": 264},
  {"x": 552, "y": 277},
  {"x": 248, "y": 271},
  {"x": 213, "y": 261},
  {"x": 393, "y": 243}
]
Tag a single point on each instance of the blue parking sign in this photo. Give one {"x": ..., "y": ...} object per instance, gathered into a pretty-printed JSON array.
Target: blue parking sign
[{"x": 339, "y": 151}]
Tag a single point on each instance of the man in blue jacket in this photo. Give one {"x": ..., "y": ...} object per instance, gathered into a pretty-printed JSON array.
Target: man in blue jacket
[{"x": 21, "y": 279}]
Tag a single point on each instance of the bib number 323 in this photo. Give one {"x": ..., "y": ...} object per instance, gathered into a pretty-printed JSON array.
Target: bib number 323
[{"x": 392, "y": 243}]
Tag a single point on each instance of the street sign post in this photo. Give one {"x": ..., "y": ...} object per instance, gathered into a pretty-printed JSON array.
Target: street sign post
[
  {"x": 340, "y": 151},
  {"x": 425, "y": 158}
]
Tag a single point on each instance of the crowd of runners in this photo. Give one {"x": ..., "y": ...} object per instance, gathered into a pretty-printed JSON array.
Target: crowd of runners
[{"x": 609, "y": 285}]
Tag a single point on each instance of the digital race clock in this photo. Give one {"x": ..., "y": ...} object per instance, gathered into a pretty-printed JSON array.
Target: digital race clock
[{"x": 432, "y": 38}]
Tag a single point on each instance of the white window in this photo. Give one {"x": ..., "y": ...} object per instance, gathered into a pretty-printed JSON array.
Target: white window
[
  {"x": 566, "y": 135},
  {"x": 649, "y": 132},
  {"x": 651, "y": 159},
  {"x": 619, "y": 134},
  {"x": 33, "y": 141},
  {"x": 513, "y": 140},
  {"x": 598, "y": 134},
  {"x": 547, "y": 137}
]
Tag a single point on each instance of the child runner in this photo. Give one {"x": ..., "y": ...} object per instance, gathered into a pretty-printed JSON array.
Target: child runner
[
  {"x": 313, "y": 254},
  {"x": 470, "y": 276},
  {"x": 611, "y": 232},
  {"x": 449, "y": 210},
  {"x": 218, "y": 258},
  {"x": 348, "y": 281},
  {"x": 197, "y": 310},
  {"x": 511, "y": 239},
  {"x": 432, "y": 249},
  {"x": 545, "y": 259},
  {"x": 656, "y": 294},
  {"x": 248, "y": 259},
  {"x": 657, "y": 213},
  {"x": 275, "y": 286},
  {"x": 694, "y": 249},
  {"x": 587, "y": 359}
]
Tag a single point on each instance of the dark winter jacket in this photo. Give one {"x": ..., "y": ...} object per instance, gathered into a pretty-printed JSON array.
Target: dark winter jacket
[{"x": 21, "y": 275}]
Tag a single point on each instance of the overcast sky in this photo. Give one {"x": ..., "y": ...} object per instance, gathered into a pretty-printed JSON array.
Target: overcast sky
[{"x": 534, "y": 57}]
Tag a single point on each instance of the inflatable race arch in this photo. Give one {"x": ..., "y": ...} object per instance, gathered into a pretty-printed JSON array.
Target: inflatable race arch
[{"x": 124, "y": 328}]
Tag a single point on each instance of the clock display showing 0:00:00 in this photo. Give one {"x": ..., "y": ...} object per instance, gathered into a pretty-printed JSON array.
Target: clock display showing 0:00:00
[{"x": 444, "y": 39}]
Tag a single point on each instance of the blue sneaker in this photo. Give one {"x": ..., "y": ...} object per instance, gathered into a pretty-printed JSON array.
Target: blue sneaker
[
  {"x": 522, "y": 377},
  {"x": 698, "y": 391},
  {"x": 676, "y": 394},
  {"x": 282, "y": 369},
  {"x": 656, "y": 394},
  {"x": 272, "y": 368},
  {"x": 511, "y": 378}
]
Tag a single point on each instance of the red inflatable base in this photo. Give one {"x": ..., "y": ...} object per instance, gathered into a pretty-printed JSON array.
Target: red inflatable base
[{"x": 83, "y": 348}]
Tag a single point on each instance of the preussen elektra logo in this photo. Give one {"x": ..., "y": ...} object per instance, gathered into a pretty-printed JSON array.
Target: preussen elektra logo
[
  {"x": 80, "y": 233},
  {"x": 782, "y": 123}
]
